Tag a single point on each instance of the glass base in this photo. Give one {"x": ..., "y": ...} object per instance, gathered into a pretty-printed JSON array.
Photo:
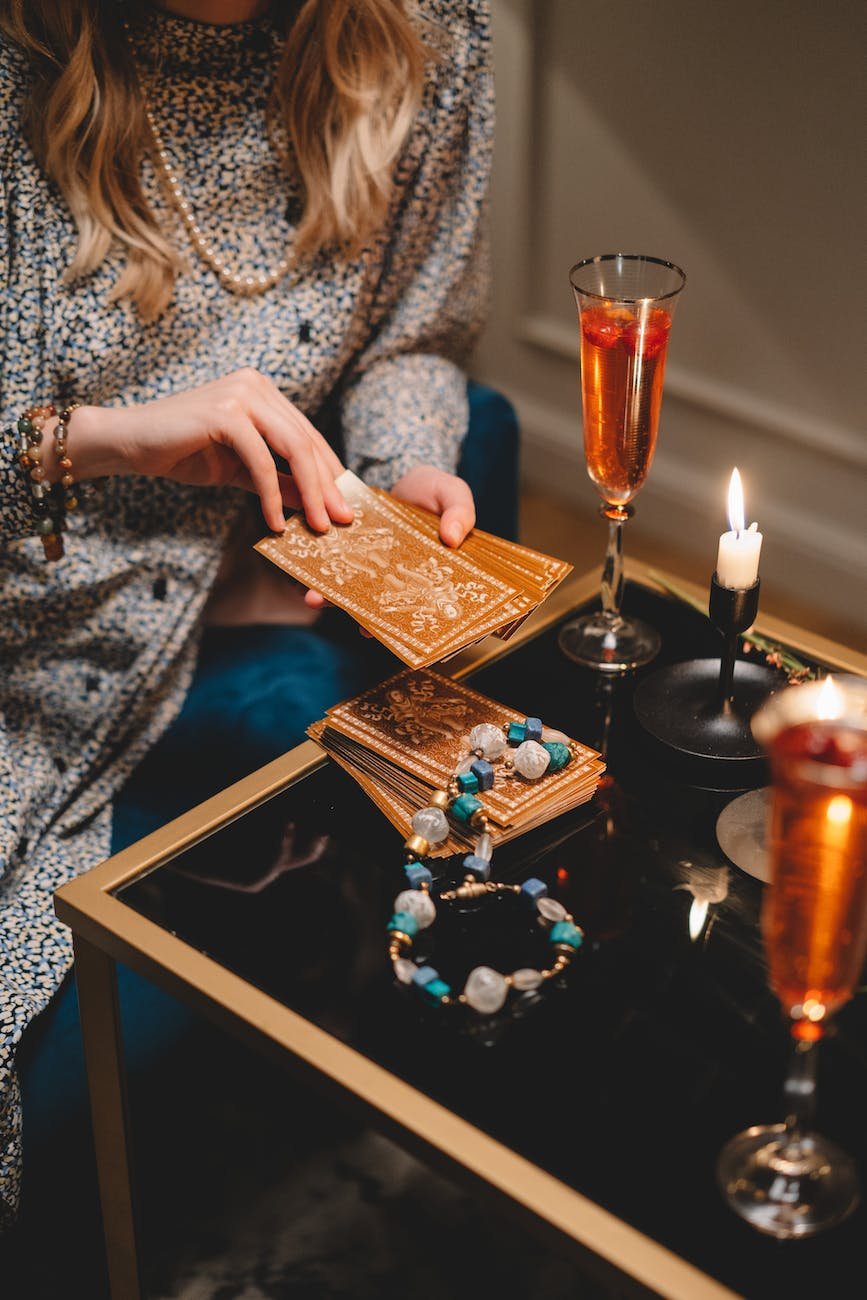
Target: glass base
[
  {"x": 609, "y": 643},
  {"x": 787, "y": 1188}
]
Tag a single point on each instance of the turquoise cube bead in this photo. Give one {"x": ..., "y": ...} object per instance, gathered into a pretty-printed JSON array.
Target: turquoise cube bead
[
  {"x": 517, "y": 733},
  {"x": 468, "y": 782},
  {"x": 561, "y": 755},
  {"x": 423, "y": 975},
  {"x": 464, "y": 807},
  {"x": 566, "y": 932},
  {"x": 417, "y": 875},
  {"x": 484, "y": 773},
  {"x": 405, "y": 922},
  {"x": 435, "y": 990}
]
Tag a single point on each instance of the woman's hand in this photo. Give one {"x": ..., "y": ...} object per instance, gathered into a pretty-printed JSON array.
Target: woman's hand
[
  {"x": 219, "y": 435},
  {"x": 443, "y": 494}
]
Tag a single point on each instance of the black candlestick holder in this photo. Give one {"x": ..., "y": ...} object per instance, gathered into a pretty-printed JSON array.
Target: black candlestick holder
[{"x": 702, "y": 707}]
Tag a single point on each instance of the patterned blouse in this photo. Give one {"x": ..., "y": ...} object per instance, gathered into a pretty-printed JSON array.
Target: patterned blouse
[{"x": 96, "y": 651}]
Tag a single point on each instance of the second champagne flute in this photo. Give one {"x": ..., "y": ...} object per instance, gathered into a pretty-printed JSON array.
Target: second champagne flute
[{"x": 625, "y": 306}]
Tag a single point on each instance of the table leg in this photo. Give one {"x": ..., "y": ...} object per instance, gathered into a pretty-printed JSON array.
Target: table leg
[{"x": 96, "y": 978}]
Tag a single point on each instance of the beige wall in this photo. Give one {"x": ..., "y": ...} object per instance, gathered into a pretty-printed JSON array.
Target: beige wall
[{"x": 726, "y": 137}]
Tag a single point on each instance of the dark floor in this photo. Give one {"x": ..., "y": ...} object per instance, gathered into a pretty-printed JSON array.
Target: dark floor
[{"x": 255, "y": 1189}]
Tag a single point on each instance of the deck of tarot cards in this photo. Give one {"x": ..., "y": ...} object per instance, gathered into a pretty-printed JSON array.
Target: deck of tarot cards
[{"x": 409, "y": 735}]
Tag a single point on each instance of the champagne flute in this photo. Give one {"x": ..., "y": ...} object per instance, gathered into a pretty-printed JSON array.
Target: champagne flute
[
  {"x": 785, "y": 1179},
  {"x": 625, "y": 306}
]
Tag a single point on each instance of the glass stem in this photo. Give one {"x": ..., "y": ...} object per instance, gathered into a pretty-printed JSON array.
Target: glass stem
[
  {"x": 800, "y": 1090},
  {"x": 612, "y": 569}
]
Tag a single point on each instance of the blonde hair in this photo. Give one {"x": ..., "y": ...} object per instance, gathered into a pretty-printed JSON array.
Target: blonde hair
[{"x": 346, "y": 91}]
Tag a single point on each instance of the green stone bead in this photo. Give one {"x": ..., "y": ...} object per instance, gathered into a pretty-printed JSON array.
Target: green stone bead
[
  {"x": 468, "y": 782},
  {"x": 517, "y": 733},
  {"x": 464, "y": 807},
  {"x": 566, "y": 932},
  {"x": 405, "y": 922},
  {"x": 24, "y": 425},
  {"x": 561, "y": 755},
  {"x": 46, "y": 526},
  {"x": 435, "y": 990}
]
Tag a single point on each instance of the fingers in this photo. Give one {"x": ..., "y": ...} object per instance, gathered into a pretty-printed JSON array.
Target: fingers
[
  {"x": 315, "y": 600},
  {"x": 242, "y": 436},
  {"x": 292, "y": 436},
  {"x": 454, "y": 501}
]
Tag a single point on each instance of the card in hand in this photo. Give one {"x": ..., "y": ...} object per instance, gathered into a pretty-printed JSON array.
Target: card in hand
[{"x": 412, "y": 593}]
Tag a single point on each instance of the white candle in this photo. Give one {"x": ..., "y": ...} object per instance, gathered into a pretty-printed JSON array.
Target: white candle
[{"x": 737, "y": 563}]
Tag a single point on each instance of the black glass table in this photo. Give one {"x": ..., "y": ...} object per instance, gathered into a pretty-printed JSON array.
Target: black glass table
[{"x": 597, "y": 1108}]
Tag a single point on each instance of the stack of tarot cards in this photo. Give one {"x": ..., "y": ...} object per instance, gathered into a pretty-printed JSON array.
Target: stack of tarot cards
[
  {"x": 405, "y": 737},
  {"x": 389, "y": 570}
]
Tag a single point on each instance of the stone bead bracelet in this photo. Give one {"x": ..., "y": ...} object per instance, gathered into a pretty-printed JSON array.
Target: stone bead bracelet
[
  {"x": 49, "y": 501},
  {"x": 485, "y": 990},
  {"x": 529, "y": 750}
]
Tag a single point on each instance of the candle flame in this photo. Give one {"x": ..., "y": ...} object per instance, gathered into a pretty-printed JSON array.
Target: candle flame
[
  {"x": 839, "y": 810},
  {"x": 736, "y": 503},
  {"x": 697, "y": 917},
  {"x": 829, "y": 701}
]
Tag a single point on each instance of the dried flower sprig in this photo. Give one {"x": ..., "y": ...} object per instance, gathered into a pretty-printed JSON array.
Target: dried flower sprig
[{"x": 775, "y": 655}]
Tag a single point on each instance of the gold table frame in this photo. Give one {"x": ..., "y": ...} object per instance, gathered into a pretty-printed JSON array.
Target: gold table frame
[{"x": 106, "y": 931}]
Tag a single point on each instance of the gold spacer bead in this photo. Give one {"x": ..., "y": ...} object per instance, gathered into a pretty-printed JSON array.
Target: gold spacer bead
[
  {"x": 418, "y": 845},
  {"x": 479, "y": 820},
  {"x": 398, "y": 936},
  {"x": 565, "y": 953},
  {"x": 439, "y": 799}
]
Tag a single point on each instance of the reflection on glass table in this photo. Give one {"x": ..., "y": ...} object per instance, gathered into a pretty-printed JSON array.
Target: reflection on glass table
[{"x": 625, "y": 1080}]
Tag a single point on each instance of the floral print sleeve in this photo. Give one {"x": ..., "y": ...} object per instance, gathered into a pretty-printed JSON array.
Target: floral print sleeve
[
  {"x": 405, "y": 403},
  {"x": 15, "y": 515}
]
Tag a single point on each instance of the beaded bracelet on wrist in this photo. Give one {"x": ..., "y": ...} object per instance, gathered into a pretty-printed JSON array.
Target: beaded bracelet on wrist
[
  {"x": 49, "y": 501},
  {"x": 526, "y": 750}
]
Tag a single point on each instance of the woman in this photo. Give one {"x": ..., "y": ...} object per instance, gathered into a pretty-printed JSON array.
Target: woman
[{"x": 222, "y": 222}]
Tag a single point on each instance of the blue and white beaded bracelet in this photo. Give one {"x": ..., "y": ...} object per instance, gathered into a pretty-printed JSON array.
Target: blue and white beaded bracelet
[{"x": 529, "y": 750}]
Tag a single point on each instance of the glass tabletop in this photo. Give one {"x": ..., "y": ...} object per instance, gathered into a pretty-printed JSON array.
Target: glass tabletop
[{"x": 624, "y": 1080}]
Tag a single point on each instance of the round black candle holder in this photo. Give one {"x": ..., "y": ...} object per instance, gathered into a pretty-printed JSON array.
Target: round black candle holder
[{"x": 702, "y": 707}]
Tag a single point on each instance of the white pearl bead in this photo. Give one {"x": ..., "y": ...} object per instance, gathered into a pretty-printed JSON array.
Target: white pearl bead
[
  {"x": 550, "y": 909},
  {"x": 489, "y": 739},
  {"x": 465, "y": 764},
  {"x": 404, "y": 970},
  {"x": 531, "y": 760},
  {"x": 486, "y": 990},
  {"x": 526, "y": 978},
  {"x": 431, "y": 824},
  {"x": 553, "y": 736},
  {"x": 419, "y": 904}
]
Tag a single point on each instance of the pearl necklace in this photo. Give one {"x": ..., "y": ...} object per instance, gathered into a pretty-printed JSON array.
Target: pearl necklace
[
  {"x": 536, "y": 750},
  {"x": 236, "y": 282}
]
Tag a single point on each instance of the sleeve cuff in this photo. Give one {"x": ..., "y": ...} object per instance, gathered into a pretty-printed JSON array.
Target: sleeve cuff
[{"x": 405, "y": 411}]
